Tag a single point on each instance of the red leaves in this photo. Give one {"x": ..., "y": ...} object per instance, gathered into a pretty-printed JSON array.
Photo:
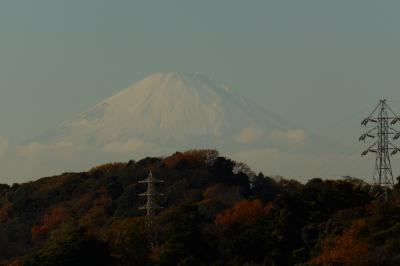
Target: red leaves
[
  {"x": 345, "y": 249},
  {"x": 194, "y": 158},
  {"x": 57, "y": 216},
  {"x": 247, "y": 212},
  {"x": 97, "y": 214}
]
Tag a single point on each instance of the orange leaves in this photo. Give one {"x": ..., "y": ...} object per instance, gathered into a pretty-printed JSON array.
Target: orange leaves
[
  {"x": 221, "y": 194},
  {"x": 78, "y": 204},
  {"x": 345, "y": 249},
  {"x": 96, "y": 215},
  {"x": 247, "y": 212},
  {"x": 194, "y": 158},
  {"x": 57, "y": 216}
]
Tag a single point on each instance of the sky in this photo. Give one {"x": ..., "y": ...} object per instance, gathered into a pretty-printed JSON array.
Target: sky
[{"x": 321, "y": 64}]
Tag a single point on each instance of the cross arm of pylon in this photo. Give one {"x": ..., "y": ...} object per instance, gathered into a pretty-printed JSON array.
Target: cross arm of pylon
[
  {"x": 395, "y": 120},
  {"x": 152, "y": 207},
  {"x": 395, "y": 132},
  {"x": 151, "y": 181},
  {"x": 370, "y": 118},
  {"x": 367, "y": 134},
  {"x": 369, "y": 149},
  {"x": 395, "y": 149}
]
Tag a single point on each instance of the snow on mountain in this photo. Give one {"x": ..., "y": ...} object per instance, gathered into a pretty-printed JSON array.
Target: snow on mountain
[
  {"x": 158, "y": 115},
  {"x": 171, "y": 110}
]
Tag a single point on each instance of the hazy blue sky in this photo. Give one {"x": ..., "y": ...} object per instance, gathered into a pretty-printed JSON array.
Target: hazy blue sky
[
  {"x": 307, "y": 60},
  {"x": 304, "y": 59}
]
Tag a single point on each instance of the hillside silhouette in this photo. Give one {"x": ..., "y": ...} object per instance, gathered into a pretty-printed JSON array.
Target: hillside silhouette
[{"x": 216, "y": 212}]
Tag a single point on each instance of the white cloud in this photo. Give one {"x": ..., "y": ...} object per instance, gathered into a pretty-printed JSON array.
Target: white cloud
[
  {"x": 124, "y": 147},
  {"x": 249, "y": 135},
  {"x": 252, "y": 135},
  {"x": 36, "y": 149},
  {"x": 292, "y": 136},
  {"x": 260, "y": 153}
]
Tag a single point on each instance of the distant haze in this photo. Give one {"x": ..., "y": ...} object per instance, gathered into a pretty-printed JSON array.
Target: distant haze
[
  {"x": 322, "y": 65},
  {"x": 161, "y": 114},
  {"x": 168, "y": 112}
]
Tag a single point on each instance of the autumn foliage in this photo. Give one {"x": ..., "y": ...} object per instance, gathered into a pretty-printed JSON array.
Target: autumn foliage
[
  {"x": 345, "y": 249},
  {"x": 55, "y": 217},
  {"x": 219, "y": 194},
  {"x": 215, "y": 212},
  {"x": 108, "y": 167},
  {"x": 247, "y": 212},
  {"x": 193, "y": 158},
  {"x": 97, "y": 213}
]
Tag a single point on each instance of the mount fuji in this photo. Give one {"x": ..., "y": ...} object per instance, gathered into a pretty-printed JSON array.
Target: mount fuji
[
  {"x": 170, "y": 110},
  {"x": 164, "y": 113}
]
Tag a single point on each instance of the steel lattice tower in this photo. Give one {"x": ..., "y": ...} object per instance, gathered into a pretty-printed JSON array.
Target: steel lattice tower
[
  {"x": 151, "y": 206},
  {"x": 151, "y": 195},
  {"x": 382, "y": 120}
]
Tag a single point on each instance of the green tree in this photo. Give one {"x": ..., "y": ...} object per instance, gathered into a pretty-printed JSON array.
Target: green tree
[
  {"x": 129, "y": 241},
  {"x": 70, "y": 248},
  {"x": 186, "y": 243}
]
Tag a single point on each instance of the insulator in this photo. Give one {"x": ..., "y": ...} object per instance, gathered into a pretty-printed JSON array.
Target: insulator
[
  {"x": 394, "y": 121},
  {"x": 371, "y": 150},
  {"x": 372, "y": 120},
  {"x": 394, "y": 152},
  {"x": 371, "y": 136},
  {"x": 364, "y": 153},
  {"x": 365, "y": 122},
  {"x": 397, "y": 136},
  {"x": 362, "y": 138}
]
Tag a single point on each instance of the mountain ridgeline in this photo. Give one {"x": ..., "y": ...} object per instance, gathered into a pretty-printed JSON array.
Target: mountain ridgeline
[
  {"x": 156, "y": 116},
  {"x": 173, "y": 110},
  {"x": 216, "y": 212}
]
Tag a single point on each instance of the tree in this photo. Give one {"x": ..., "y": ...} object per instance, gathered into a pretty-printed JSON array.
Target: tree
[
  {"x": 129, "y": 241},
  {"x": 185, "y": 241},
  {"x": 57, "y": 216},
  {"x": 244, "y": 232},
  {"x": 247, "y": 212},
  {"x": 71, "y": 248},
  {"x": 345, "y": 249}
]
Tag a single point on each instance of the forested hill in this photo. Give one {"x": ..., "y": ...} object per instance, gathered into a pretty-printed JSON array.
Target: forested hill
[{"x": 216, "y": 212}]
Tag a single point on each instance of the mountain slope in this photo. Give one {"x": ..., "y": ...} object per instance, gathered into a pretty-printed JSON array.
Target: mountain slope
[
  {"x": 156, "y": 116},
  {"x": 168, "y": 109},
  {"x": 211, "y": 216}
]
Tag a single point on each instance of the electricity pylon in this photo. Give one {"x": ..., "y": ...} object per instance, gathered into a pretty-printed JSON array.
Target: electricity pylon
[
  {"x": 151, "y": 206},
  {"x": 151, "y": 195},
  {"x": 382, "y": 131}
]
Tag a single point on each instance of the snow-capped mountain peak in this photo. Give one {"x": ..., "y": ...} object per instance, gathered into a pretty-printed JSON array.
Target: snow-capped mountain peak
[{"x": 171, "y": 109}]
